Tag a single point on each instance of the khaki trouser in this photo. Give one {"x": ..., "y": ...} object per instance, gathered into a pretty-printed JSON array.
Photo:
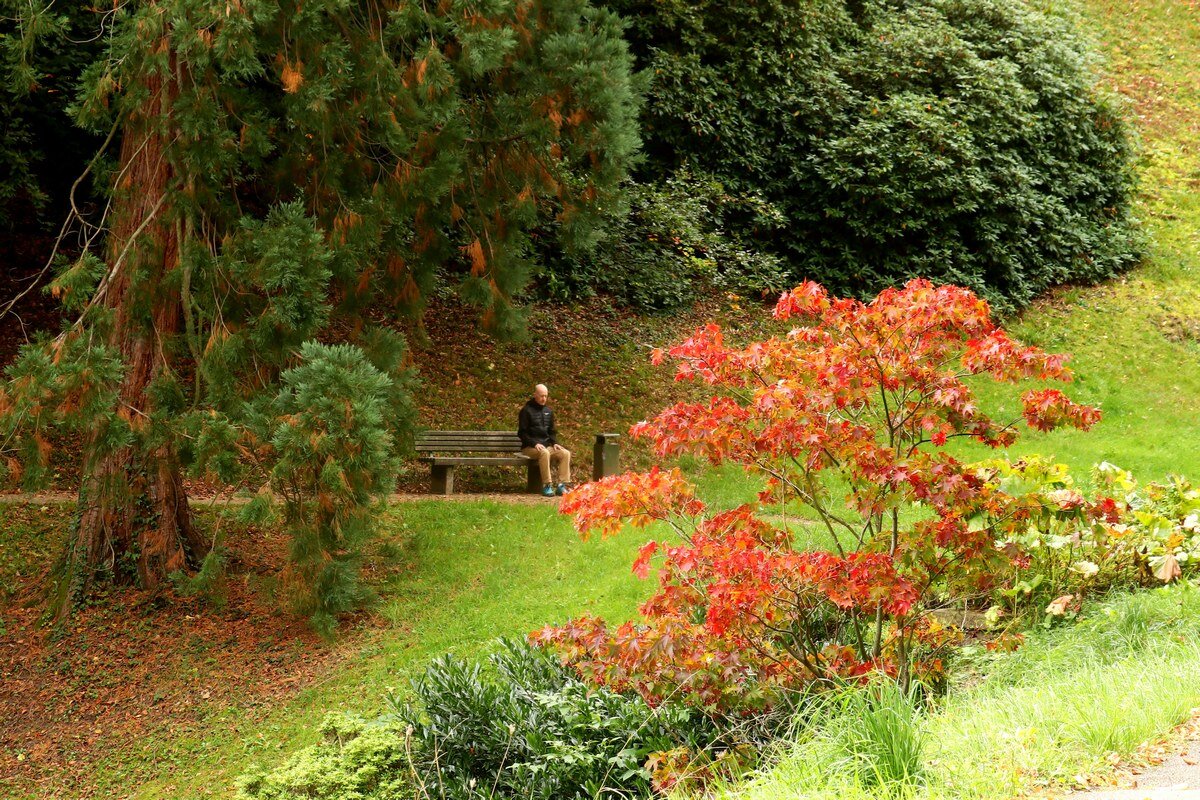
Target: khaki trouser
[{"x": 558, "y": 455}]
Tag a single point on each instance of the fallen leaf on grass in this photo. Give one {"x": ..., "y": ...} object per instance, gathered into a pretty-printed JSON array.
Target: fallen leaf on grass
[
  {"x": 1058, "y": 606},
  {"x": 1169, "y": 570}
]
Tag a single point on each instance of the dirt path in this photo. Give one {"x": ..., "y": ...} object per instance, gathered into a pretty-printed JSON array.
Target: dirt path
[{"x": 68, "y": 498}]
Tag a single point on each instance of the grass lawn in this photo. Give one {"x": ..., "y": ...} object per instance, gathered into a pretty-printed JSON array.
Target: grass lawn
[
  {"x": 455, "y": 576},
  {"x": 452, "y": 578},
  {"x": 477, "y": 570},
  {"x": 1060, "y": 709}
]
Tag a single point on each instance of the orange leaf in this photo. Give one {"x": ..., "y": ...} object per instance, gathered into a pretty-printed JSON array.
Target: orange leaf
[
  {"x": 1058, "y": 606},
  {"x": 641, "y": 566},
  {"x": 291, "y": 77},
  {"x": 478, "y": 261}
]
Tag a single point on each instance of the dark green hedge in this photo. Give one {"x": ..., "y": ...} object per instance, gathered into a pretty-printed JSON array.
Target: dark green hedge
[{"x": 962, "y": 140}]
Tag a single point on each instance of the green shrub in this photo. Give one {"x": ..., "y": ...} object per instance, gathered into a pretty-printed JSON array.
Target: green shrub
[
  {"x": 334, "y": 457},
  {"x": 356, "y": 760},
  {"x": 1088, "y": 539},
  {"x": 966, "y": 141},
  {"x": 518, "y": 726},
  {"x": 526, "y": 727},
  {"x": 660, "y": 254},
  {"x": 671, "y": 247}
]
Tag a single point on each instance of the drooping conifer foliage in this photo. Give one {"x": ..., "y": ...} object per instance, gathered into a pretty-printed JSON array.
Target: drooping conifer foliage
[
  {"x": 282, "y": 172},
  {"x": 870, "y": 141},
  {"x": 41, "y": 153}
]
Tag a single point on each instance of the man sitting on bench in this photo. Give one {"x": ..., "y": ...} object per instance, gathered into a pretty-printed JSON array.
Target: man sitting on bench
[{"x": 537, "y": 430}]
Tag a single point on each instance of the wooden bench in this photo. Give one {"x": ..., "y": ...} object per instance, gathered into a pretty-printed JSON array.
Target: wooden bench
[{"x": 504, "y": 445}]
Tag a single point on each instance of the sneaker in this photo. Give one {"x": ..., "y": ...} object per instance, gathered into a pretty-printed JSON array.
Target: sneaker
[
  {"x": 562, "y": 489},
  {"x": 548, "y": 491}
]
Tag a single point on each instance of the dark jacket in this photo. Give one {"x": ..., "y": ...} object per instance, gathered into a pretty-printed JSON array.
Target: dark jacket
[{"x": 535, "y": 425}]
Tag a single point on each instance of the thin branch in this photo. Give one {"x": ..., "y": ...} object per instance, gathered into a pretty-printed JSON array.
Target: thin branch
[{"x": 66, "y": 223}]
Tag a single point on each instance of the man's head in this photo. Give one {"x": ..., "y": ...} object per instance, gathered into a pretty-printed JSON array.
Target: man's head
[{"x": 541, "y": 394}]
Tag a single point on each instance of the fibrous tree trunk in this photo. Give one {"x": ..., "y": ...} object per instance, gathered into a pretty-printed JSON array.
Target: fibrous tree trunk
[{"x": 134, "y": 519}]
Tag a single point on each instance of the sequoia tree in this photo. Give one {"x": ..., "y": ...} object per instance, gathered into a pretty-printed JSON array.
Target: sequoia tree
[{"x": 282, "y": 172}]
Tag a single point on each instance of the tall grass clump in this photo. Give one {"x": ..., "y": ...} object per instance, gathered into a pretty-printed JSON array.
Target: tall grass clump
[
  {"x": 856, "y": 743},
  {"x": 878, "y": 732}
]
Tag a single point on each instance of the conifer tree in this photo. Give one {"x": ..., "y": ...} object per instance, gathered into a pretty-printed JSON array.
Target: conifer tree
[{"x": 284, "y": 172}]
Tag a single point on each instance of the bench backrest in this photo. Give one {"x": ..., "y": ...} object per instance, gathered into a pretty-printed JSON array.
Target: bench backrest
[{"x": 468, "y": 442}]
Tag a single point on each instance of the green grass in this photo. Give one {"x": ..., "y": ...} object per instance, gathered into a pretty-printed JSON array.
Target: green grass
[
  {"x": 1146, "y": 380},
  {"x": 476, "y": 570},
  {"x": 1060, "y": 706},
  {"x": 1057, "y": 708},
  {"x": 1052, "y": 711}
]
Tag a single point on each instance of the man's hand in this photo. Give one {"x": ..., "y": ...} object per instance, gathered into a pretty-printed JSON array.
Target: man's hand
[{"x": 541, "y": 448}]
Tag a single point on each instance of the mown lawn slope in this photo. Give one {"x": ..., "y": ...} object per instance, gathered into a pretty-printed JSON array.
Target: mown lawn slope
[{"x": 458, "y": 575}]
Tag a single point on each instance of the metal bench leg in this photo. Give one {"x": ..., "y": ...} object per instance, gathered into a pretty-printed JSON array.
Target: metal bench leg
[
  {"x": 533, "y": 478},
  {"x": 442, "y": 480}
]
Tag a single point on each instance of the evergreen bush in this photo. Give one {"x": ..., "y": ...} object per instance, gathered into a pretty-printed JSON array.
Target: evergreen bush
[
  {"x": 966, "y": 141},
  {"x": 334, "y": 456},
  {"x": 356, "y": 760},
  {"x": 670, "y": 247},
  {"x": 519, "y": 726}
]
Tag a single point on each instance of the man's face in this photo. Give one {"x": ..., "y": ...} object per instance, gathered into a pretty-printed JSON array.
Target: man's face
[{"x": 540, "y": 396}]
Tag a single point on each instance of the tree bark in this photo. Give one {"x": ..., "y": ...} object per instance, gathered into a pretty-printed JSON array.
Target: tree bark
[{"x": 134, "y": 521}]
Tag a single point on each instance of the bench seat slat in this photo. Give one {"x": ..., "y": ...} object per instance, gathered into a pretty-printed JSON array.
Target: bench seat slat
[
  {"x": 509, "y": 450},
  {"x": 513, "y": 442},
  {"x": 427, "y": 439},
  {"x": 467, "y": 442},
  {"x": 470, "y": 442},
  {"x": 507, "y": 438},
  {"x": 456, "y": 460}
]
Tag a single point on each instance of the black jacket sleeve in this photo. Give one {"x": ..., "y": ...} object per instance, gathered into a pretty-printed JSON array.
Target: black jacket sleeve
[
  {"x": 552, "y": 432},
  {"x": 525, "y": 427}
]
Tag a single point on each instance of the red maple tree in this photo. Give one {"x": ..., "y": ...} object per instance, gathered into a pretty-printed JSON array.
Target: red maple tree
[{"x": 846, "y": 418}]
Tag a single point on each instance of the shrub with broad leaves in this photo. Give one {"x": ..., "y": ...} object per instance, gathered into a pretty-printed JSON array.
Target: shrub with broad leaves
[
  {"x": 869, "y": 141},
  {"x": 845, "y": 419},
  {"x": 516, "y": 725},
  {"x": 1081, "y": 539},
  {"x": 1163, "y": 521}
]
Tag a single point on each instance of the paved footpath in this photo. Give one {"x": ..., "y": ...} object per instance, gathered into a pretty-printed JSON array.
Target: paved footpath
[{"x": 1176, "y": 778}]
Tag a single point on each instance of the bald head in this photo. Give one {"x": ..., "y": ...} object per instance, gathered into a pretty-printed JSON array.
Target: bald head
[{"x": 541, "y": 394}]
